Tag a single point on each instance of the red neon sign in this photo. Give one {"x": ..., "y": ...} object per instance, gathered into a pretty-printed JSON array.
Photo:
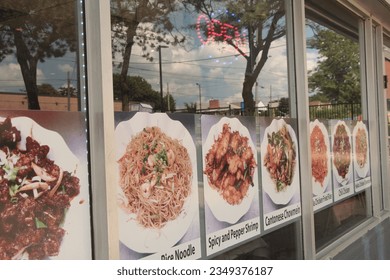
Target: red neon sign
[{"x": 216, "y": 29}]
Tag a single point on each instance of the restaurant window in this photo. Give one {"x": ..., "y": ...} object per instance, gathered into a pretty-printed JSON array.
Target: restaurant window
[
  {"x": 44, "y": 188},
  {"x": 339, "y": 138},
  {"x": 203, "y": 63}
]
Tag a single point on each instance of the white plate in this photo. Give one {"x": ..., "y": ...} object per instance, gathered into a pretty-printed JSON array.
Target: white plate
[
  {"x": 64, "y": 158},
  {"x": 131, "y": 233},
  {"x": 221, "y": 209},
  {"x": 339, "y": 179},
  {"x": 318, "y": 189},
  {"x": 281, "y": 197},
  {"x": 361, "y": 171}
]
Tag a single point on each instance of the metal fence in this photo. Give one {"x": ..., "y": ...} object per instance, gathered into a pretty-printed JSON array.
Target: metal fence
[{"x": 346, "y": 111}]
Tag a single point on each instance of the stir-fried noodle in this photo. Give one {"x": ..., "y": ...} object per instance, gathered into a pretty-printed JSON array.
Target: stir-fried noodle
[
  {"x": 280, "y": 158},
  {"x": 155, "y": 176}
]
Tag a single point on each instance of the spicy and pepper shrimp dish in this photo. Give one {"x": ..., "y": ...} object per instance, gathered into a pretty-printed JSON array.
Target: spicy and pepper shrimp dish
[
  {"x": 155, "y": 175},
  {"x": 35, "y": 195},
  {"x": 230, "y": 165}
]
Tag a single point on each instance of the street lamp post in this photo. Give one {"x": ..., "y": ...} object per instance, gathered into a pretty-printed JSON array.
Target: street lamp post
[
  {"x": 161, "y": 84},
  {"x": 200, "y": 98}
]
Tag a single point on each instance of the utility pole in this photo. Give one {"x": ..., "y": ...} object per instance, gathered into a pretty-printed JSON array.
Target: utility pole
[
  {"x": 161, "y": 84},
  {"x": 68, "y": 91},
  {"x": 200, "y": 99},
  {"x": 168, "y": 99}
]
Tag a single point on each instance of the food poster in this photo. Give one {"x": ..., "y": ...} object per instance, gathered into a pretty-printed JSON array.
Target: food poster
[
  {"x": 361, "y": 156},
  {"x": 44, "y": 192},
  {"x": 230, "y": 178},
  {"x": 321, "y": 164},
  {"x": 157, "y": 186},
  {"x": 342, "y": 169},
  {"x": 279, "y": 171}
]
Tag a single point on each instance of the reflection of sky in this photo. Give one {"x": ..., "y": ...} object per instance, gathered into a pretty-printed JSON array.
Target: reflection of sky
[
  {"x": 53, "y": 71},
  {"x": 217, "y": 67}
]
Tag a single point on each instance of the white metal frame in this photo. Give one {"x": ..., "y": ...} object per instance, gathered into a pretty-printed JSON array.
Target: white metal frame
[{"x": 101, "y": 129}]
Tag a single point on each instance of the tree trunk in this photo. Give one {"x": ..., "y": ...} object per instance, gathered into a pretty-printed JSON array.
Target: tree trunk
[
  {"x": 247, "y": 96},
  {"x": 28, "y": 66},
  {"x": 124, "y": 87}
]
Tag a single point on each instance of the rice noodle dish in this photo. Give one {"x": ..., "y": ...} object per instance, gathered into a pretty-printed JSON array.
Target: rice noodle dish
[
  {"x": 230, "y": 165},
  {"x": 280, "y": 158},
  {"x": 155, "y": 175},
  {"x": 319, "y": 155},
  {"x": 35, "y": 194},
  {"x": 341, "y": 151}
]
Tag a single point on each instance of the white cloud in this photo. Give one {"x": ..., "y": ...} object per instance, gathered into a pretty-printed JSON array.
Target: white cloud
[
  {"x": 65, "y": 68},
  {"x": 11, "y": 77},
  {"x": 312, "y": 59}
]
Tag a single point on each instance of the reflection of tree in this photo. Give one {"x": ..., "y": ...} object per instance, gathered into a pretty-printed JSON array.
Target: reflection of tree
[
  {"x": 337, "y": 75},
  {"x": 141, "y": 90},
  {"x": 47, "y": 89},
  {"x": 190, "y": 107},
  {"x": 262, "y": 20},
  {"x": 145, "y": 23},
  {"x": 36, "y": 30},
  {"x": 68, "y": 91}
]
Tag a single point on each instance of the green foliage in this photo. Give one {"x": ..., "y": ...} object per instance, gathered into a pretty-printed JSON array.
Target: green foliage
[
  {"x": 47, "y": 89},
  {"x": 190, "y": 107},
  {"x": 142, "y": 91},
  {"x": 337, "y": 75},
  {"x": 284, "y": 106}
]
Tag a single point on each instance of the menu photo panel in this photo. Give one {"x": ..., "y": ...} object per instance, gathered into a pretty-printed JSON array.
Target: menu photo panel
[
  {"x": 230, "y": 176},
  {"x": 44, "y": 193},
  {"x": 279, "y": 172},
  {"x": 321, "y": 163},
  {"x": 157, "y": 187}
]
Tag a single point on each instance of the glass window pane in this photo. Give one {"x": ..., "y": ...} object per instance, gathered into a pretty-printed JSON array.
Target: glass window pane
[
  {"x": 209, "y": 57},
  {"x": 39, "y": 55},
  {"x": 338, "y": 129},
  {"x": 44, "y": 183}
]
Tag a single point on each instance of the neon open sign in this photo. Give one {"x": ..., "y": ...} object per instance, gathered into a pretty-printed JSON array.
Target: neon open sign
[{"x": 216, "y": 30}]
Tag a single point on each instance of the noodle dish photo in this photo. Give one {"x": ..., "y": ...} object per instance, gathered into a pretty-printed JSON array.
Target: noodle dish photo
[
  {"x": 280, "y": 162},
  {"x": 157, "y": 183}
]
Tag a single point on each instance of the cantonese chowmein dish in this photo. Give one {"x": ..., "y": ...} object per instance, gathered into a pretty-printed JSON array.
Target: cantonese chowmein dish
[
  {"x": 280, "y": 158},
  {"x": 341, "y": 151},
  {"x": 230, "y": 165},
  {"x": 319, "y": 155},
  {"x": 155, "y": 177},
  {"x": 35, "y": 194}
]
